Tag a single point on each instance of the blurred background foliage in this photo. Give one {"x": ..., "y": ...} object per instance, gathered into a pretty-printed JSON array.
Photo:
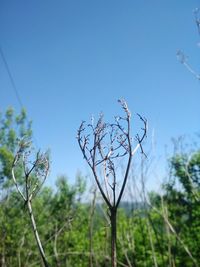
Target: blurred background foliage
[{"x": 161, "y": 229}]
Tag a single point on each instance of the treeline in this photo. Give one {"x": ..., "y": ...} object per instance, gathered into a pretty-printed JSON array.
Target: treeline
[{"x": 161, "y": 230}]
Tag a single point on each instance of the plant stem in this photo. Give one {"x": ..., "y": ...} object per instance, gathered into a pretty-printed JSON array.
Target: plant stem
[
  {"x": 41, "y": 250},
  {"x": 113, "y": 220}
]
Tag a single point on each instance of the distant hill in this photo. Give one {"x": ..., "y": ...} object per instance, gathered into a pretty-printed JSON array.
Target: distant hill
[{"x": 128, "y": 207}]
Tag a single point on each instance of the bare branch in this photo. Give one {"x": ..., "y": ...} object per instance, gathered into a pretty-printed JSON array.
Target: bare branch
[
  {"x": 183, "y": 60},
  {"x": 14, "y": 178}
]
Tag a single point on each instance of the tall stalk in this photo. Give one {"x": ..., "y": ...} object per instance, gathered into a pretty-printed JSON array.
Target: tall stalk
[
  {"x": 113, "y": 220},
  {"x": 37, "y": 237},
  {"x": 103, "y": 145},
  {"x": 35, "y": 174}
]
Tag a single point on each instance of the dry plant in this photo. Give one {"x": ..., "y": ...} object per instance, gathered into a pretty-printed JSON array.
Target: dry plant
[
  {"x": 181, "y": 55},
  {"x": 34, "y": 174},
  {"x": 103, "y": 145},
  {"x": 91, "y": 226},
  {"x": 171, "y": 230}
]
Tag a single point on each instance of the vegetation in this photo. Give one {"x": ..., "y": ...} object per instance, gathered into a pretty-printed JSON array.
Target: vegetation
[{"x": 162, "y": 230}]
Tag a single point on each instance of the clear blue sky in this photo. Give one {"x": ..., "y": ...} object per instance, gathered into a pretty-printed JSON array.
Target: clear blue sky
[{"x": 72, "y": 59}]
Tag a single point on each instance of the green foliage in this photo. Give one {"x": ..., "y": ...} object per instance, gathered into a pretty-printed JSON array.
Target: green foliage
[
  {"x": 12, "y": 129},
  {"x": 6, "y": 159},
  {"x": 183, "y": 199},
  {"x": 64, "y": 227},
  {"x": 159, "y": 235}
]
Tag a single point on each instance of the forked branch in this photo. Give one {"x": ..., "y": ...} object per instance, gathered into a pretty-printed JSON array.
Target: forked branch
[
  {"x": 35, "y": 173},
  {"x": 103, "y": 145}
]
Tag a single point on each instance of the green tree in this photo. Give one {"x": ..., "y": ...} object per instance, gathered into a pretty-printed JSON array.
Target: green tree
[
  {"x": 183, "y": 202},
  {"x": 12, "y": 129}
]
